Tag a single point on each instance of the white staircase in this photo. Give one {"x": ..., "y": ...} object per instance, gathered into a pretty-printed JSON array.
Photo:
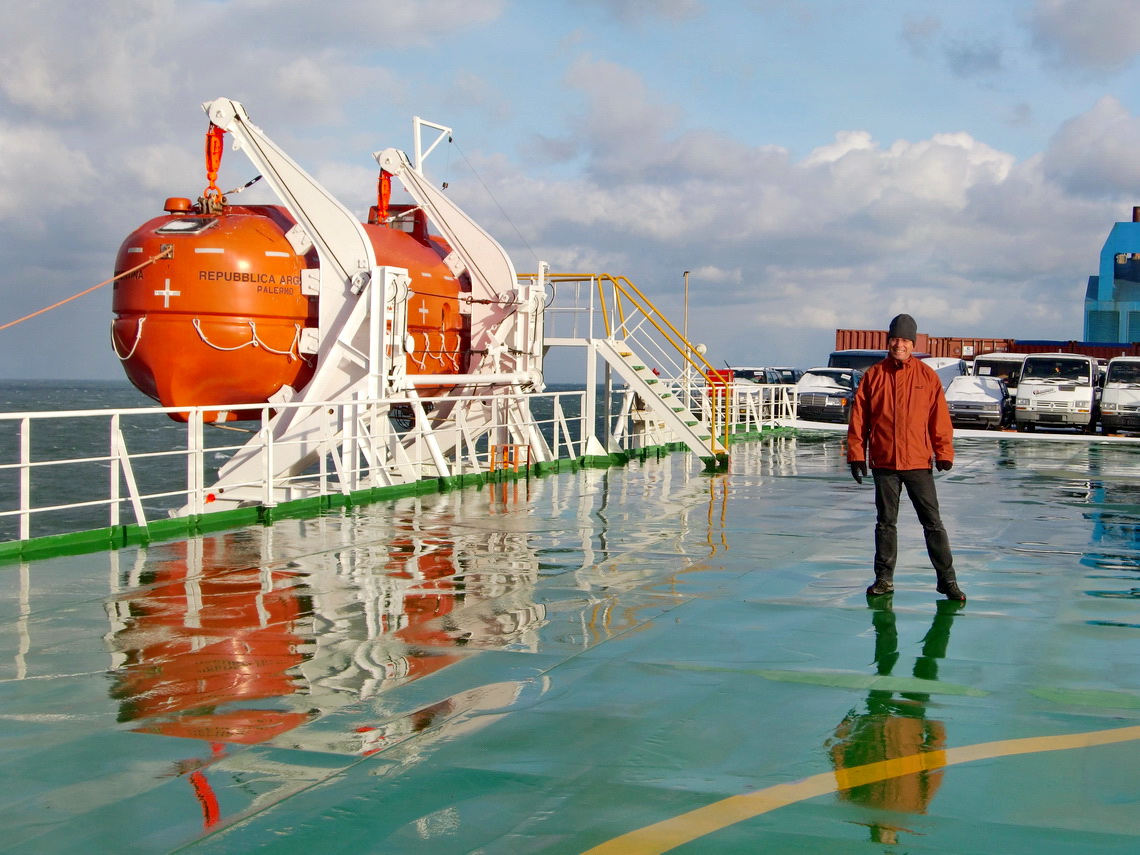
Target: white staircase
[{"x": 657, "y": 397}]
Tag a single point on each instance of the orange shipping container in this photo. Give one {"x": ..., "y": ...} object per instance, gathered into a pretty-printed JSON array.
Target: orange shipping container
[
  {"x": 951, "y": 346},
  {"x": 872, "y": 340}
]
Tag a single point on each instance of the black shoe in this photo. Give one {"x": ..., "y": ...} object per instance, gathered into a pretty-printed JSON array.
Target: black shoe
[
  {"x": 881, "y": 586},
  {"x": 951, "y": 591}
]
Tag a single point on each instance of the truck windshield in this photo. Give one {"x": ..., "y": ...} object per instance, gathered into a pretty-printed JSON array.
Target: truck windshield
[
  {"x": 1060, "y": 370},
  {"x": 1008, "y": 370},
  {"x": 1123, "y": 372},
  {"x": 859, "y": 360}
]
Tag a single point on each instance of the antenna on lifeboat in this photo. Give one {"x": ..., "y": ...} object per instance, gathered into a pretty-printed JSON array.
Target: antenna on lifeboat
[{"x": 417, "y": 124}]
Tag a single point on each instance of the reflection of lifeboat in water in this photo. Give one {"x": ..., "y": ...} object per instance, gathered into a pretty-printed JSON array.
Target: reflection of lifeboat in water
[
  {"x": 205, "y": 651},
  {"x": 229, "y": 316}
]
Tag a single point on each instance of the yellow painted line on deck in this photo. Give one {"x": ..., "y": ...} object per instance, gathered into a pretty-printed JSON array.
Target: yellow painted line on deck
[{"x": 671, "y": 833}]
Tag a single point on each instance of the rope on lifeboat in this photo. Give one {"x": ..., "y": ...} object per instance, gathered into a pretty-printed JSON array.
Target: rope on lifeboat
[
  {"x": 134, "y": 347},
  {"x": 422, "y": 363},
  {"x": 446, "y": 358},
  {"x": 254, "y": 340},
  {"x": 166, "y": 253}
]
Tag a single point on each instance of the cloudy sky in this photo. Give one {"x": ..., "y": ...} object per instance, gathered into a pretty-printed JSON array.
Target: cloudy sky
[{"x": 815, "y": 163}]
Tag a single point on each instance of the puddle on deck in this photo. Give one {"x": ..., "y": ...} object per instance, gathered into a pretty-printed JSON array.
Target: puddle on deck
[{"x": 557, "y": 665}]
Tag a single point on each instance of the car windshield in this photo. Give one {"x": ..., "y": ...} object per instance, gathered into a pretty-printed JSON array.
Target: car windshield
[
  {"x": 1060, "y": 370},
  {"x": 1124, "y": 372},
  {"x": 840, "y": 378},
  {"x": 970, "y": 386}
]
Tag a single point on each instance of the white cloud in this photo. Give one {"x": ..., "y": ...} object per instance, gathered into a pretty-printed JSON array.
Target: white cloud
[
  {"x": 60, "y": 60},
  {"x": 623, "y": 118},
  {"x": 1097, "y": 153},
  {"x": 1090, "y": 35},
  {"x": 845, "y": 143},
  {"x": 947, "y": 227},
  {"x": 39, "y": 173}
]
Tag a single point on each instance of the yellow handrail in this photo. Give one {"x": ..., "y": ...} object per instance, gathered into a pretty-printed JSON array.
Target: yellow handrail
[
  {"x": 682, "y": 345},
  {"x": 623, "y": 287}
]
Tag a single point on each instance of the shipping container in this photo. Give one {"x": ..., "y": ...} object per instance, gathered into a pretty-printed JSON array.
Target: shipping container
[
  {"x": 873, "y": 340},
  {"x": 1099, "y": 349},
  {"x": 967, "y": 348}
]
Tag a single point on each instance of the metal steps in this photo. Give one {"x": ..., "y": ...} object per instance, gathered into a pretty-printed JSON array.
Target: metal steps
[{"x": 661, "y": 402}]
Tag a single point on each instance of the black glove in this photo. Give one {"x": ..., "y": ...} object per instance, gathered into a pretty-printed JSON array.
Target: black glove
[
  {"x": 944, "y": 465},
  {"x": 859, "y": 471}
]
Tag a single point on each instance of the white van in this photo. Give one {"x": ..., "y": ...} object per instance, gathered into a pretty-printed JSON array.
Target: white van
[
  {"x": 1058, "y": 390},
  {"x": 1005, "y": 366},
  {"x": 1120, "y": 397}
]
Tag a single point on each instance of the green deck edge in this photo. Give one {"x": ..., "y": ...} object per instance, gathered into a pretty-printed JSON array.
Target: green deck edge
[{"x": 178, "y": 528}]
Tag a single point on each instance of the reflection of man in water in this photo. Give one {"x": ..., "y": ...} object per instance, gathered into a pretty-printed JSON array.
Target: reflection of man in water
[{"x": 894, "y": 727}]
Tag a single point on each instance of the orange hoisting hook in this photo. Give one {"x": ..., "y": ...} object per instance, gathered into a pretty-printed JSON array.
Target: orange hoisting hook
[
  {"x": 383, "y": 195},
  {"x": 212, "y": 199}
]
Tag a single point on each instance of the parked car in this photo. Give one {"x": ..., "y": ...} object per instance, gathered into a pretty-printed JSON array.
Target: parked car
[
  {"x": 789, "y": 376},
  {"x": 825, "y": 393},
  {"x": 979, "y": 402},
  {"x": 766, "y": 376}
]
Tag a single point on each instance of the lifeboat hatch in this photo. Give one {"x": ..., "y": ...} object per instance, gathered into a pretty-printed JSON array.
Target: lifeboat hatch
[{"x": 186, "y": 226}]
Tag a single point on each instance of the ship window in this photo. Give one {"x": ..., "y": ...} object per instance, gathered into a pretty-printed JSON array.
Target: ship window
[{"x": 186, "y": 225}]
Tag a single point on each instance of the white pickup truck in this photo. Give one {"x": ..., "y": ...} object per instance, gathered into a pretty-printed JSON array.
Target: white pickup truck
[
  {"x": 1120, "y": 398},
  {"x": 1058, "y": 390}
]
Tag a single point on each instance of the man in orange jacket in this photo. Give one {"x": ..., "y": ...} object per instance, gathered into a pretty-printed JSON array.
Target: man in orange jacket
[{"x": 899, "y": 424}]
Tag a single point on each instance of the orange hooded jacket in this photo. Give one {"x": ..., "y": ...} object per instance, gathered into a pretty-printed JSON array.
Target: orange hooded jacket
[{"x": 899, "y": 417}]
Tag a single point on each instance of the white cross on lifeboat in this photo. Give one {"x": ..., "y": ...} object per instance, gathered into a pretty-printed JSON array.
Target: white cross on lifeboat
[
  {"x": 166, "y": 294},
  {"x": 423, "y": 310}
]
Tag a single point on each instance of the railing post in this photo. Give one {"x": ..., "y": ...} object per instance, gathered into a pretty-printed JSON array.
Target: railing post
[
  {"x": 267, "y": 460},
  {"x": 116, "y": 471},
  {"x": 195, "y": 463},
  {"x": 25, "y": 478}
]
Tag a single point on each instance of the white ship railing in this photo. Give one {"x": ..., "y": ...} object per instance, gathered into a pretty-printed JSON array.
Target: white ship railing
[
  {"x": 80, "y": 470},
  {"x": 84, "y": 469}
]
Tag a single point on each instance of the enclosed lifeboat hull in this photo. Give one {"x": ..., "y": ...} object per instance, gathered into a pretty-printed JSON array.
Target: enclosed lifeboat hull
[{"x": 222, "y": 321}]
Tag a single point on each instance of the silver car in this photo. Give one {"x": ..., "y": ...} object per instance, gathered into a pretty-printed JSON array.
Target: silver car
[{"x": 979, "y": 402}]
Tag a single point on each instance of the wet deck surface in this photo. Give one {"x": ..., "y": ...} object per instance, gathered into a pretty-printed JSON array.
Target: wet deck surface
[{"x": 641, "y": 659}]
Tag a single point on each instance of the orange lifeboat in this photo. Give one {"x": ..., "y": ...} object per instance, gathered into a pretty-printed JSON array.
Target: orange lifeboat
[{"x": 222, "y": 319}]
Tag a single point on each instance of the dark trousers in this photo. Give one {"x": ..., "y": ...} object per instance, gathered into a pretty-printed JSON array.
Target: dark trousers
[{"x": 919, "y": 485}]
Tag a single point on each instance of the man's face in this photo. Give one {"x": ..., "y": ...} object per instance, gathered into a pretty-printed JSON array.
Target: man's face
[{"x": 900, "y": 348}]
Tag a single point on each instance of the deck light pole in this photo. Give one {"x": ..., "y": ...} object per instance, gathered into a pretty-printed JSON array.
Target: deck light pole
[
  {"x": 685, "y": 335},
  {"x": 686, "y": 323}
]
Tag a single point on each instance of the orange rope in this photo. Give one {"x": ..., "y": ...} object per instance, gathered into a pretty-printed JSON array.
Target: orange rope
[{"x": 166, "y": 253}]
